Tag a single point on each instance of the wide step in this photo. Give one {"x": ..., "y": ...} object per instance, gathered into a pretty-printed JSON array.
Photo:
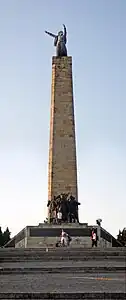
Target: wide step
[
  {"x": 62, "y": 274},
  {"x": 66, "y": 296},
  {"x": 61, "y": 270}
]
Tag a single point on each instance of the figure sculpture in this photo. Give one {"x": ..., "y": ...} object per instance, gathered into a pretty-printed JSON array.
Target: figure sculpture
[
  {"x": 60, "y": 42},
  {"x": 67, "y": 205}
]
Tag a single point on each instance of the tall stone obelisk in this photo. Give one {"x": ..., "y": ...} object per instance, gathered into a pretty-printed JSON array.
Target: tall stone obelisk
[{"x": 62, "y": 169}]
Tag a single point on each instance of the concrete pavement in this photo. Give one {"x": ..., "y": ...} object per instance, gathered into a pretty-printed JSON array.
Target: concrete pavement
[
  {"x": 60, "y": 283},
  {"x": 60, "y": 263},
  {"x": 72, "y": 274}
]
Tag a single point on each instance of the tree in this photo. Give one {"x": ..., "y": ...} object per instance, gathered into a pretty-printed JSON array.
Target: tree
[
  {"x": 1, "y": 237},
  {"x": 121, "y": 237},
  {"x": 4, "y": 236}
]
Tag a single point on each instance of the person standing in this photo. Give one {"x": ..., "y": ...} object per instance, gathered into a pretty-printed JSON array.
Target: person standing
[
  {"x": 59, "y": 217},
  {"x": 94, "y": 237}
]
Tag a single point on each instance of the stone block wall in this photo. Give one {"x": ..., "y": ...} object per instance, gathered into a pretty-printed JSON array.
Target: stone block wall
[
  {"x": 45, "y": 235},
  {"x": 40, "y": 242},
  {"x": 62, "y": 169}
]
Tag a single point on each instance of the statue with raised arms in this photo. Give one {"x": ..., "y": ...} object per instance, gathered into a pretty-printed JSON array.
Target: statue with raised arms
[{"x": 60, "y": 41}]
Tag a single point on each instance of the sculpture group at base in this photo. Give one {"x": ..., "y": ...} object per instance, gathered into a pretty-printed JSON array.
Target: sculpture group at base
[{"x": 63, "y": 209}]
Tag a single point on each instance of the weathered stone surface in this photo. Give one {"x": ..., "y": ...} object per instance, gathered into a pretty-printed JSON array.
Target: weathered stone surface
[
  {"x": 66, "y": 296},
  {"x": 35, "y": 274},
  {"x": 90, "y": 263},
  {"x": 62, "y": 270},
  {"x": 62, "y": 283},
  {"x": 62, "y": 169}
]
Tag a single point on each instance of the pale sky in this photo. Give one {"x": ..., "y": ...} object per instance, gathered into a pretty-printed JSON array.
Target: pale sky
[{"x": 97, "y": 43}]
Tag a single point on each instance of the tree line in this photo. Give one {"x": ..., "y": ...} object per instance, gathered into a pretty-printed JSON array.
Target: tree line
[
  {"x": 4, "y": 236},
  {"x": 121, "y": 237}
]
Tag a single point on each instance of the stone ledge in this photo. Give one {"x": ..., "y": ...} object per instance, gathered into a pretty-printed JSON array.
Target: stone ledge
[
  {"x": 65, "y": 296},
  {"x": 63, "y": 225},
  {"x": 85, "y": 252},
  {"x": 60, "y": 270}
]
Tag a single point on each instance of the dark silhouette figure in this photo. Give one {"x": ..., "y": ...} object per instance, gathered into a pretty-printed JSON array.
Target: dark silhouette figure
[
  {"x": 60, "y": 42},
  {"x": 67, "y": 205}
]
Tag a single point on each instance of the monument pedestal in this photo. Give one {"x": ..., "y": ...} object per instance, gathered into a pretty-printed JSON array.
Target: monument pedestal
[{"x": 47, "y": 235}]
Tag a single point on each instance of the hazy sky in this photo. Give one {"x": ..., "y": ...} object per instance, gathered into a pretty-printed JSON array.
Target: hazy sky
[{"x": 97, "y": 43}]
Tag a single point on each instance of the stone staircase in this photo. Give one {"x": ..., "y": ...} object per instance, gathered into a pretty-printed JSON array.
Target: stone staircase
[{"x": 63, "y": 273}]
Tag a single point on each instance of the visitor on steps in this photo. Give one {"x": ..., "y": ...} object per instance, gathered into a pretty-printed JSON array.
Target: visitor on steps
[
  {"x": 94, "y": 237},
  {"x": 59, "y": 217},
  {"x": 64, "y": 238}
]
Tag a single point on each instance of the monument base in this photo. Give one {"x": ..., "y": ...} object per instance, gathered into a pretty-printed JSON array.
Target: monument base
[{"x": 47, "y": 235}]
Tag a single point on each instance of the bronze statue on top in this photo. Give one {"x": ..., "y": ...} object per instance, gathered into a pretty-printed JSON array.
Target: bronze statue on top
[{"x": 60, "y": 42}]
